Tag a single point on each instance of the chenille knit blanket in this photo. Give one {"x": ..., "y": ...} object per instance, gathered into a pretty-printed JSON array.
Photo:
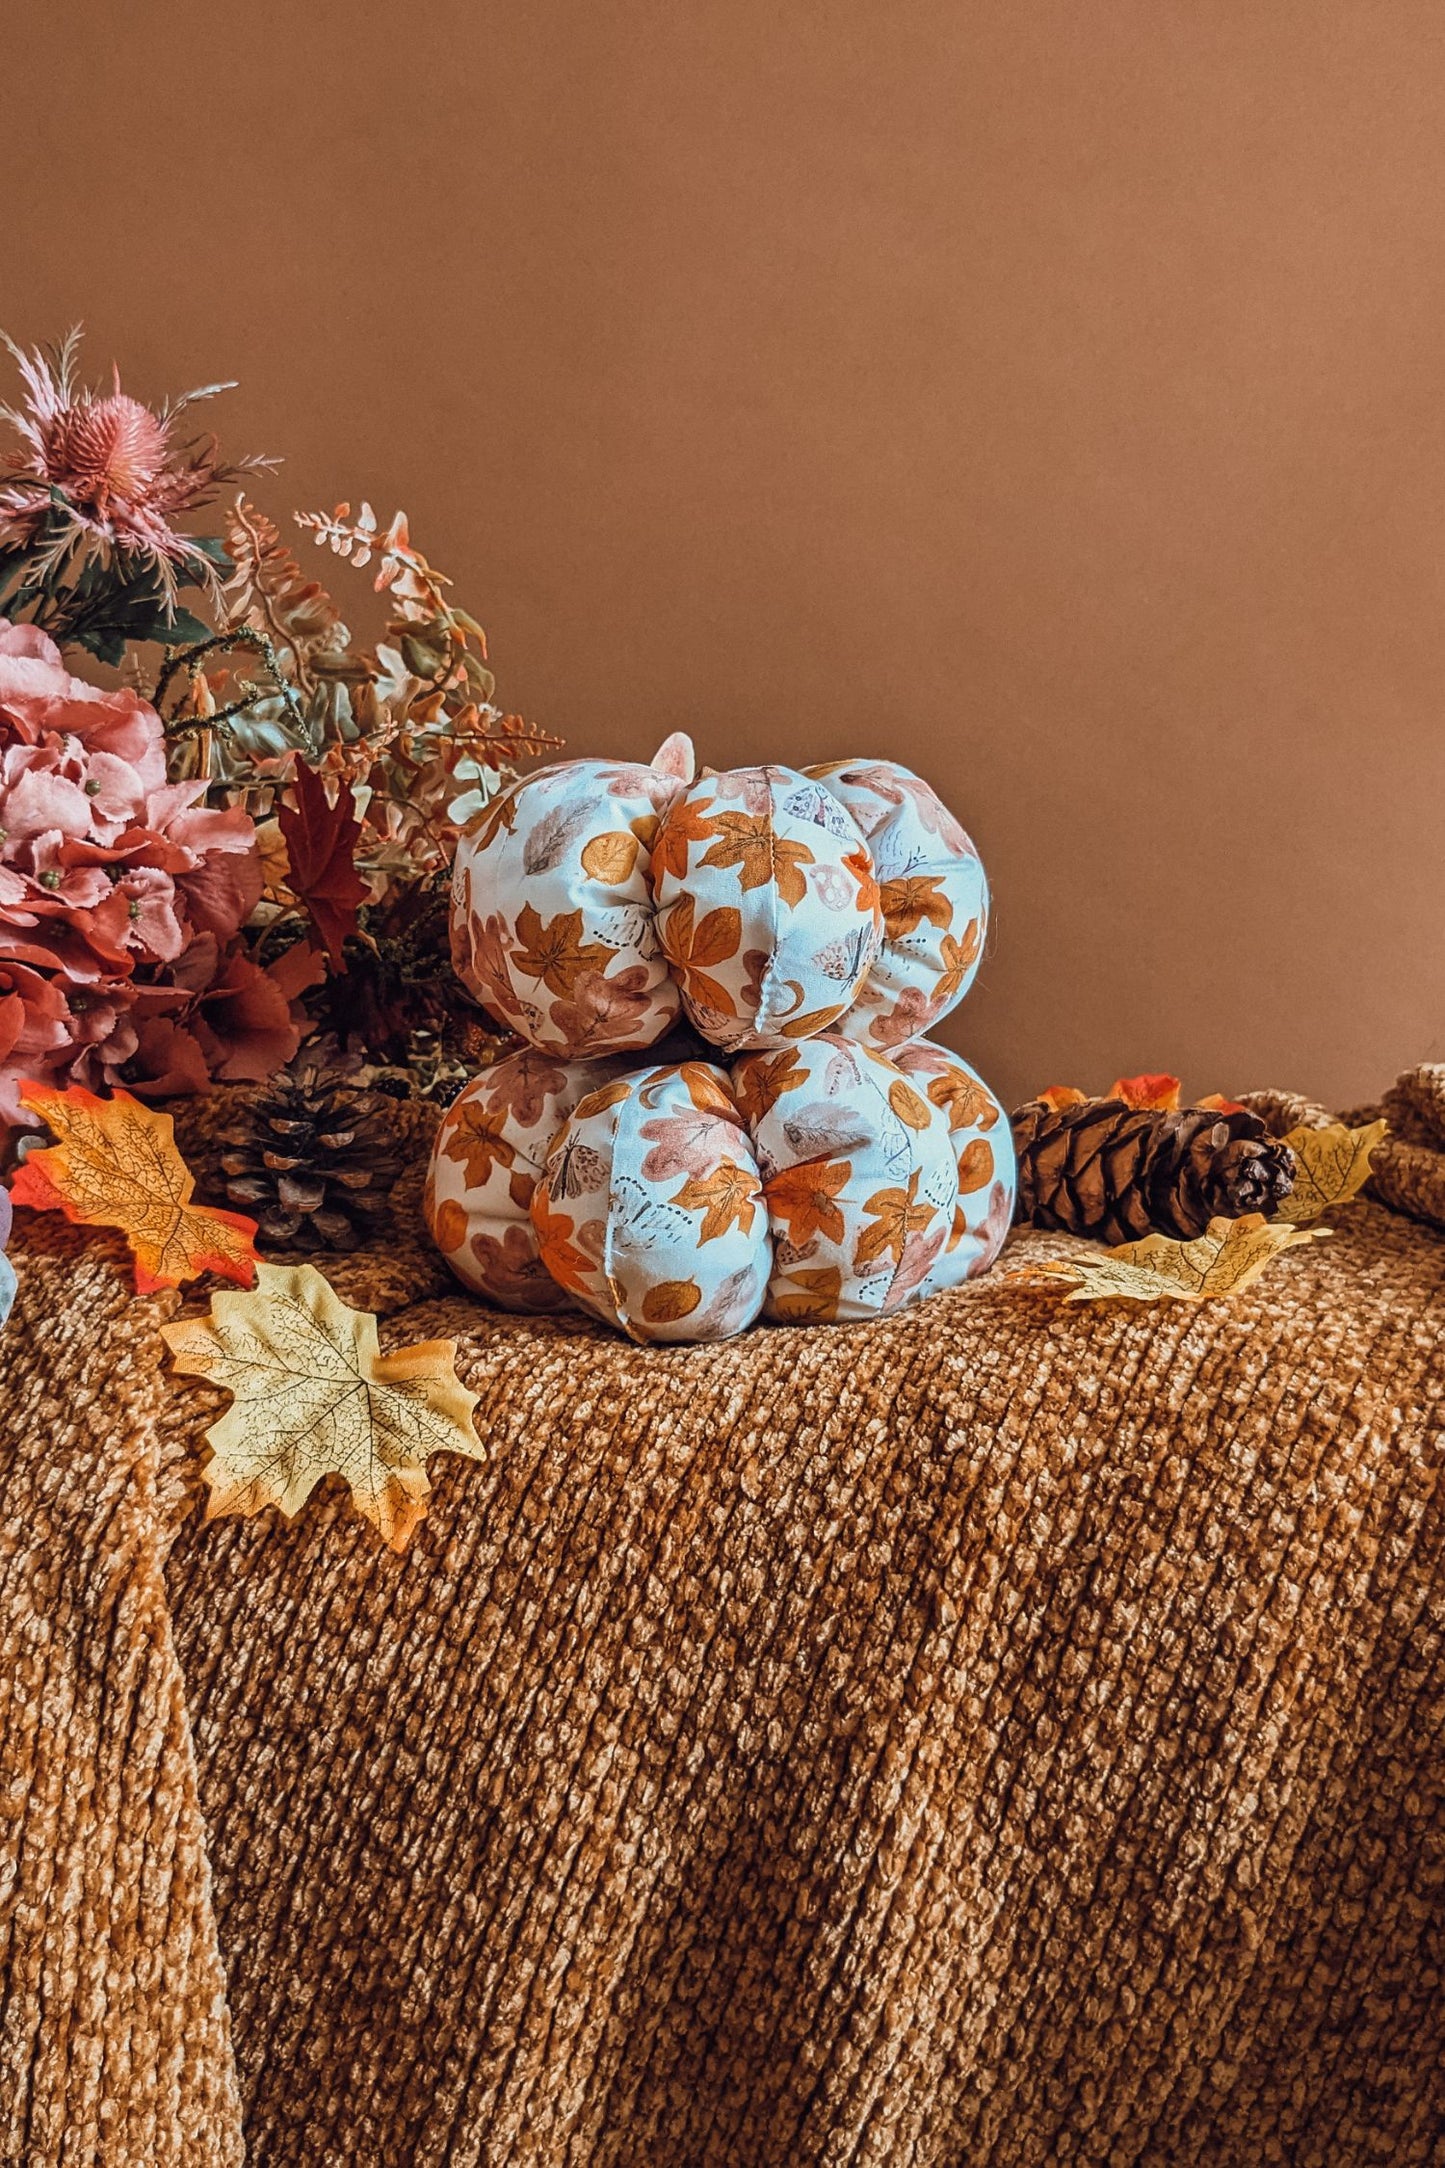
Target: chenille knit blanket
[{"x": 1010, "y": 1733}]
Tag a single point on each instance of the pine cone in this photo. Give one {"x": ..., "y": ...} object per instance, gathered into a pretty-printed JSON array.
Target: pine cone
[
  {"x": 1114, "y": 1172},
  {"x": 311, "y": 1160}
]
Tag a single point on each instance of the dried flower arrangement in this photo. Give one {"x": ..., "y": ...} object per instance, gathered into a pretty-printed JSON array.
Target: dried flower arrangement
[{"x": 243, "y": 837}]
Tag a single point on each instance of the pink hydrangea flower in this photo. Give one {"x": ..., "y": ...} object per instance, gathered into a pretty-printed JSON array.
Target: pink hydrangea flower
[{"x": 121, "y": 896}]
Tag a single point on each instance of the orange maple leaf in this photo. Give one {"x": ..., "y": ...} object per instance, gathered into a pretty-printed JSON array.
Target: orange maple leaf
[
  {"x": 1158, "y": 1092},
  {"x": 115, "y": 1164},
  {"x": 682, "y": 826},
  {"x": 726, "y": 1197},
  {"x": 803, "y": 1196},
  {"x": 555, "y": 952},
  {"x": 911, "y": 899},
  {"x": 896, "y": 1214},
  {"x": 1216, "y": 1103},
  {"x": 748, "y": 841}
]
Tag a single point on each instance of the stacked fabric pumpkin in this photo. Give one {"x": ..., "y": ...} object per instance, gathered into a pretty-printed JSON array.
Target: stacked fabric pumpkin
[{"x": 726, "y": 1108}]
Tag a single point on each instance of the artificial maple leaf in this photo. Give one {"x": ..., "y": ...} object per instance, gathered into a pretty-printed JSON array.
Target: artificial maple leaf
[
  {"x": 1161, "y": 1093},
  {"x": 1059, "y": 1096},
  {"x": 748, "y": 841},
  {"x": 313, "y": 1395},
  {"x": 725, "y": 1198},
  {"x": 115, "y": 1164},
  {"x": 911, "y": 899},
  {"x": 555, "y": 952},
  {"x": 1331, "y": 1165},
  {"x": 1227, "y": 1258},
  {"x": 804, "y": 1197},
  {"x": 1216, "y": 1103},
  {"x": 321, "y": 840},
  {"x": 896, "y": 1214}
]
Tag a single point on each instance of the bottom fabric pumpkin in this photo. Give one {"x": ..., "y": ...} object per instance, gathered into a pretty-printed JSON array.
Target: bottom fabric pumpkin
[{"x": 682, "y": 1201}]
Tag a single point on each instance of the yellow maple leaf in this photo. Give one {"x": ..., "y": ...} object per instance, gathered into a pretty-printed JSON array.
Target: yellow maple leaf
[
  {"x": 1330, "y": 1166},
  {"x": 313, "y": 1396},
  {"x": 1227, "y": 1258},
  {"x": 115, "y": 1164}
]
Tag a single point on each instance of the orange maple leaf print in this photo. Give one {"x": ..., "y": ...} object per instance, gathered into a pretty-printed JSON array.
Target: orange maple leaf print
[
  {"x": 567, "y": 1265},
  {"x": 682, "y": 825},
  {"x": 908, "y": 901},
  {"x": 555, "y": 952},
  {"x": 690, "y": 945},
  {"x": 475, "y": 1141},
  {"x": 967, "y": 1105},
  {"x": 896, "y": 1214},
  {"x": 760, "y": 1080},
  {"x": 804, "y": 1197},
  {"x": 115, "y": 1164},
  {"x": 748, "y": 841},
  {"x": 725, "y": 1198},
  {"x": 957, "y": 957}
]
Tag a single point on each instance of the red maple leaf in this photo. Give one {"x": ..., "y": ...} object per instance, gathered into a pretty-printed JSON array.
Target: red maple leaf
[{"x": 321, "y": 841}]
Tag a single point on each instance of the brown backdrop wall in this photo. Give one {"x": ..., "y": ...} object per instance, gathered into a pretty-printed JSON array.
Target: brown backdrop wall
[{"x": 1048, "y": 395}]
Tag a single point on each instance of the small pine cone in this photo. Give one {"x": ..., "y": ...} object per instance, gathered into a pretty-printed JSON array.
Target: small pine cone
[
  {"x": 311, "y": 1160},
  {"x": 1114, "y": 1172}
]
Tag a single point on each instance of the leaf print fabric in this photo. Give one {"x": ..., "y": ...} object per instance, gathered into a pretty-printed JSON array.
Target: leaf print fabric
[
  {"x": 934, "y": 900},
  {"x": 768, "y": 909},
  {"x": 650, "y": 1211},
  {"x": 489, "y": 1154},
  {"x": 553, "y": 918},
  {"x": 859, "y": 1175},
  {"x": 983, "y": 1148},
  {"x": 810, "y": 925}
]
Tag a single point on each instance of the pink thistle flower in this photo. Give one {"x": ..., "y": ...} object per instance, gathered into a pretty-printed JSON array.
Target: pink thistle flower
[{"x": 102, "y": 470}]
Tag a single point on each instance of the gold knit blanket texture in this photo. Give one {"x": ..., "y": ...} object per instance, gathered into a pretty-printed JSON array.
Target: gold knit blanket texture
[{"x": 1008, "y": 1733}]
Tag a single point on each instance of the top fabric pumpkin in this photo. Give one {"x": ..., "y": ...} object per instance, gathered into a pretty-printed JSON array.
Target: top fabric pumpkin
[
  {"x": 595, "y": 900},
  {"x": 553, "y": 915}
]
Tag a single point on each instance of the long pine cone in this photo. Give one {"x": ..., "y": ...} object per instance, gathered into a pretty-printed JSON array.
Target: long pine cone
[{"x": 1113, "y": 1172}]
